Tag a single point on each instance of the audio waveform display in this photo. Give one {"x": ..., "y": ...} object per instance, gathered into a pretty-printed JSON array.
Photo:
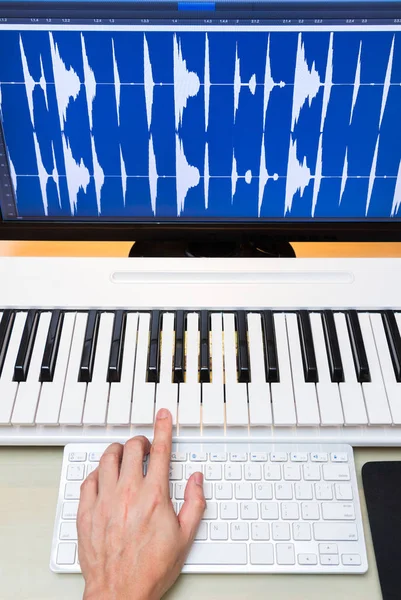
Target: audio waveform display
[{"x": 195, "y": 123}]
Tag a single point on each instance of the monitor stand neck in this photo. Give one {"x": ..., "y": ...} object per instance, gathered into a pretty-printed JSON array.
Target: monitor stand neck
[{"x": 258, "y": 248}]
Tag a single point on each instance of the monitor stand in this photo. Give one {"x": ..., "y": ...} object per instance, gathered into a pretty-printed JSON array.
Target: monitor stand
[{"x": 211, "y": 249}]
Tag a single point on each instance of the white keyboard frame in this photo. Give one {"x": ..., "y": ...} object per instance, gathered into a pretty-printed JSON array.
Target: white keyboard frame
[{"x": 357, "y": 547}]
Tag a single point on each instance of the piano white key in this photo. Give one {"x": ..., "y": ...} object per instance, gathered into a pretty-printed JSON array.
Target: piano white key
[
  {"x": 52, "y": 391},
  {"x": 258, "y": 389},
  {"x": 236, "y": 393},
  {"x": 8, "y": 387},
  {"x": 282, "y": 393},
  {"x": 305, "y": 393},
  {"x": 27, "y": 397},
  {"x": 143, "y": 396},
  {"x": 393, "y": 388},
  {"x": 374, "y": 391},
  {"x": 72, "y": 404},
  {"x": 166, "y": 390},
  {"x": 119, "y": 411},
  {"x": 350, "y": 389},
  {"x": 213, "y": 393},
  {"x": 190, "y": 391},
  {"x": 97, "y": 393},
  {"x": 328, "y": 393}
]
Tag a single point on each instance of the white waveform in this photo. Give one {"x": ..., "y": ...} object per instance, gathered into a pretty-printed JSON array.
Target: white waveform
[
  {"x": 98, "y": 175},
  {"x": 328, "y": 82},
  {"x": 123, "y": 175},
  {"x": 397, "y": 193},
  {"x": 90, "y": 83},
  {"x": 206, "y": 84},
  {"x": 234, "y": 178},
  {"x": 152, "y": 175},
  {"x": 28, "y": 79},
  {"x": 298, "y": 176},
  {"x": 117, "y": 83},
  {"x": 268, "y": 82},
  {"x": 206, "y": 176},
  {"x": 148, "y": 80},
  {"x": 263, "y": 175},
  {"x": 13, "y": 174},
  {"x": 306, "y": 82},
  {"x": 187, "y": 176},
  {"x": 344, "y": 176},
  {"x": 387, "y": 82},
  {"x": 237, "y": 82},
  {"x": 42, "y": 173},
  {"x": 318, "y": 175},
  {"x": 252, "y": 84},
  {"x": 248, "y": 176},
  {"x": 42, "y": 82},
  {"x": 77, "y": 175},
  {"x": 55, "y": 176},
  {"x": 372, "y": 176},
  {"x": 357, "y": 83},
  {"x": 66, "y": 82},
  {"x": 186, "y": 83}
]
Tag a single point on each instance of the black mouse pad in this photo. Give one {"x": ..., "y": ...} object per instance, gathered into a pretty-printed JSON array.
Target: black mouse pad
[{"x": 382, "y": 487}]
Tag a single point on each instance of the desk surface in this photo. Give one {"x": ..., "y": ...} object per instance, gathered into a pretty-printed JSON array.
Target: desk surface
[{"x": 29, "y": 479}]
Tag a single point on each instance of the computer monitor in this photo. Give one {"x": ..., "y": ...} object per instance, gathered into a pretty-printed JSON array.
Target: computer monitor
[{"x": 138, "y": 120}]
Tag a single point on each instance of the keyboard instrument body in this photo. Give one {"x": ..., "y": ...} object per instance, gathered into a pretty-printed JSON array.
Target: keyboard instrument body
[{"x": 280, "y": 285}]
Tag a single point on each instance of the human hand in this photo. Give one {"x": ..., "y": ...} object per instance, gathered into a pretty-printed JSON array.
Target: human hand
[{"x": 131, "y": 544}]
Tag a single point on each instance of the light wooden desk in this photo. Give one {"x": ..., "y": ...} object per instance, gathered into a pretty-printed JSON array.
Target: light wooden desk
[{"x": 29, "y": 479}]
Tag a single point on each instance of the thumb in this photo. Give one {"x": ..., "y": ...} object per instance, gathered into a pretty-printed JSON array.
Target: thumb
[{"x": 193, "y": 508}]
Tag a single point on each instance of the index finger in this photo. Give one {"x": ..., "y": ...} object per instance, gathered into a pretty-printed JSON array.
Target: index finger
[{"x": 160, "y": 451}]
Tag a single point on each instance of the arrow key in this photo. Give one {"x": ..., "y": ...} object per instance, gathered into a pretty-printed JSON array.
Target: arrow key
[{"x": 307, "y": 559}]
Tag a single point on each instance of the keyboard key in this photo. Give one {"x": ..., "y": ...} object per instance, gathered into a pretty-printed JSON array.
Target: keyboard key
[
  {"x": 357, "y": 346},
  {"x": 285, "y": 554},
  {"x": 201, "y": 534},
  {"x": 213, "y": 472},
  {"x": 210, "y": 511},
  {"x": 213, "y": 393},
  {"x": 239, "y": 531},
  {"x": 258, "y": 456},
  {"x": 229, "y": 510},
  {"x": 179, "y": 347},
  {"x": 278, "y": 456},
  {"x": 6, "y": 326},
  {"x": 95, "y": 456},
  {"x": 176, "y": 471},
  {"x": 68, "y": 531},
  {"x": 243, "y": 491},
  {"x": 114, "y": 369},
  {"x": 319, "y": 457},
  {"x": 218, "y": 456},
  {"x": 249, "y": 510},
  {"x": 52, "y": 346},
  {"x": 261, "y": 554},
  {"x": 329, "y": 559},
  {"x": 223, "y": 491},
  {"x": 263, "y": 491},
  {"x": 271, "y": 355},
  {"x": 72, "y": 491},
  {"x": 218, "y": 531},
  {"x": 269, "y": 511},
  {"x": 307, "y": 347},
  {"x": 235, "y": 391},
  {"x": 26, "y": 346},
  {"x": 66, "y": 554},
  {"x": 154, "y": 348},
  {"x": 281, "y": 531},
  {"x": 292, "y": 472},
  {"x": 198, "y": 456},
  {"x": 70, "y": 510},
  {"x": 343, "y": 491},
  {"x": 204, "y": 366},
  {"x": 336, "y": 472},
  {"x": 74, "y": 392},
  {"x": 253, "y": 472},
  {"x": 289, "y": 511},
  {"x": 393, "y": 340},
  {"x": 299, "y": 456},
  {"x": 351, "y": 559},
  {"x": 179, "y": 490},
  {"x": 75, "y": 472},
  {"x": 258, "y": 389},
  {"x": 166, "y": 390},
  {"x": 272, "y": 472},
  {"x": 239, "y": 456},
  {"x": 339, "y": 457},
  {"x": 328, "y": 549},
  {"x": 323, "y": 491},
  {"x": 301, "y": 531},
  {"x": 233, "y": 472},
  {"x": 190, "y": 390},
  {"x": 242, "y": 348},
  {"x": 310, "y": 511},
  {"x": 332, "y": 347},
  {"x": 77, "y": 456},
  {"x": 283, "y": 403},
  {"x": 324, "y": 531},
  {"x": 212, "y": 554},
  {"x": 307, "y": 559},
  {"x": 89, "y": 347},
  {"x": 260, "y": 531},
  {"x": 303, "y": 491},
  {"x": 311, "y": 472},
  {"x": 178, "y": 456},
  {"x": 143, "y": 394},
  {"x": 335, "y": 511},
  {"x": 283, "y": 491}
]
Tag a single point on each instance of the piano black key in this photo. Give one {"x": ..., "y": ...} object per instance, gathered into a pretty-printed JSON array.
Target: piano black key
[
  {"x": 6, "y": 327},
  {"x": 179, "y": 347},
  {"x": 26, "y": 346},
  {"x": 269, "y": 338},
  {"x": 357, "y": 346},
  {"x": 51, "y": 347},
  {"x": 89, "y": 347},
  {"x": 154, "y": 348},
  {"x": 242, "y": 348},
  {"x": 332, "y": 347},
  {"x": 117, "y": 346},
  {"x": 307, "y": 347},
  {"x": 393, "y": 340},
  {"x": 204, "y": 347}
]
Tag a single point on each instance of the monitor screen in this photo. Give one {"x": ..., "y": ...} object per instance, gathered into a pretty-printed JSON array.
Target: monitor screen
[{"x": 153, "y": 112}]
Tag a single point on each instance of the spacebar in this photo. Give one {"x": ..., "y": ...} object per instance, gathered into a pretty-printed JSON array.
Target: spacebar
[{"x": 217, "y": 554}]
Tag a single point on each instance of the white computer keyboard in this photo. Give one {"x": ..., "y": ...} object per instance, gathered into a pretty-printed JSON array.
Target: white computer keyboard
[{"x": 271, "y": 508}]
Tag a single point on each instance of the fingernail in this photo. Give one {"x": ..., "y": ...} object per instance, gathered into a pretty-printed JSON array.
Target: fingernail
[
  {"x": 162, "y": 414},
  {"x": 198, "y": 478}
]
